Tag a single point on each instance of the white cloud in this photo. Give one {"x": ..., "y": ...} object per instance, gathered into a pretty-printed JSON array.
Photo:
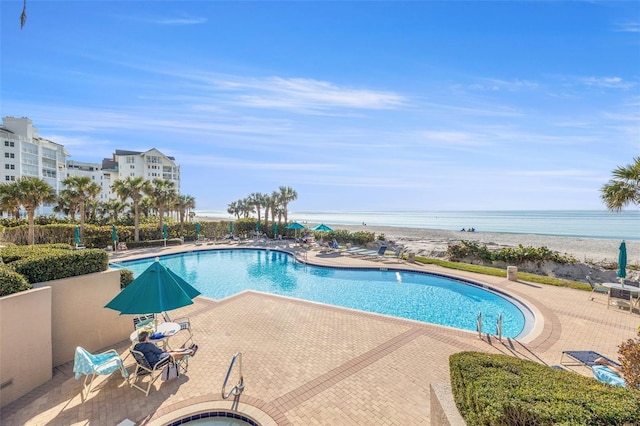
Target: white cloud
[
  {"x": 508, "y": 85},
  {"x": 608, "y": 82},
  {"x": 631, "y": 27}
]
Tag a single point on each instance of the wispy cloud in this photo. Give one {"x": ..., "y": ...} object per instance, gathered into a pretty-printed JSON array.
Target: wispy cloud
[
  {"x": 631, "y": 27},
  {"x": 608, "y": 82},
  {"x": 309, "y": 94},
  {"x": 508, "y": 85}
]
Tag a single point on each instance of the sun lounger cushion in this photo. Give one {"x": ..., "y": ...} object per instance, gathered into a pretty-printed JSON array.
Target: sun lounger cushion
[{"x": 606, "y": 375}]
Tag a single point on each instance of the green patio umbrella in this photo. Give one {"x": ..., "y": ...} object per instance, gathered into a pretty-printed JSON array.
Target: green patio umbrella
[
  {"x": 77, "y": 235},
  {"x": 295, "y": 226},
  {"x": 231, "y": 227},
  {"x": 275, "y": 229},
  {"x": 257, "y": 226},
  {"x": 322, "y": 228},
  {"x": 114, "y": 234},
  {"x": 156, "y": 290},
  {"x": 622, "y": 262},
  {"x": 198, "y": 230},
  {"x": 164, "y": 231}
]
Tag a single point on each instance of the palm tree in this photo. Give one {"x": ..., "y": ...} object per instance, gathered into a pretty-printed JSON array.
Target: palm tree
[
  {"x": 233, "y": 210},
  {"x": 162, "y": 193},
  {"x": 82, "y": 189},
  {"x": 133, "y": 188},
  {"x": 246, "y": 207},
  {"x": 275, "y": 202},
  {"x": 113, "y": 208},
  {"x": 266, "y": 202},
  {"x": 182, "y": 204},
  {"x": 67, "y": 204},
  {"x": 146, "y": 206},
  {"x": 287, "y": 195},
  {"x": 10, "y": 198},
  {"x": 624, "y": 188},
  {"x": 33, "y": 192},
  {"x": 257, "y": 200}
]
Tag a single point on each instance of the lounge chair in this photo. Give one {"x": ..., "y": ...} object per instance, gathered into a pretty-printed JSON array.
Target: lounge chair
[
  {"x": 91, "y": 365},
  {"x": 596, "y": 288},
  {"x": 584, "y": 358},
  {"x": 144, "y": 369},
  {"x": 377, "y": 255}
]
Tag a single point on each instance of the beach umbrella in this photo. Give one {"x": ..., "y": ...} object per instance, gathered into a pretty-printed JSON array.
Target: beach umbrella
[
  {"x": 622, "y": 262},
  {"x": 198, "y": 229},
  {"x": 77, "y": 235},
  {"x": 156, "y": 290},
  {"x": 257, "y": 226},
  {"x": 322, "y": 228},
  {"x": 295, "y": 226},
  {"x": 164, "y": 231},
  {"x": 275, "y": 229},
  {"x": 231, "y": 227}
]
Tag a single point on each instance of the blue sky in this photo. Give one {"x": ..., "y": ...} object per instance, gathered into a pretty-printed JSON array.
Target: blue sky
[{"x": 356, "y": 105}]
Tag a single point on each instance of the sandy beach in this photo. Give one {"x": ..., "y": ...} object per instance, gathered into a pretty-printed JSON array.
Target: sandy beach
[{"x": 434, "y": 242}]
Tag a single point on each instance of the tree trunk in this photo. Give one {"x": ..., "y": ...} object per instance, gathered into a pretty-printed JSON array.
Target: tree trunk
[
  {"x": 136, "y": 222},
  {"x": 30, "y": 216}
]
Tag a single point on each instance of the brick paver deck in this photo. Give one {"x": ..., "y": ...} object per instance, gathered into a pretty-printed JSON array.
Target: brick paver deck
[{"x": 313, "y": 364}]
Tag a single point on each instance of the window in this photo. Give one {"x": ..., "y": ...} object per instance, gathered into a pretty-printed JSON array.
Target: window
[
  {"x": 132, "y": 166},
  {"x": 6, "y": 166},
  {"x": 7, "y": 178},
  {"x": 6, "y": 143},
  {"x": 13, "y": 167},
  {"x": 130, "y": 160}
]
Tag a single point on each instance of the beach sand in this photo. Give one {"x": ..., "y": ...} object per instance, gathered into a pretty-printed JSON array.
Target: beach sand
[{"x": 434, "y": 242}]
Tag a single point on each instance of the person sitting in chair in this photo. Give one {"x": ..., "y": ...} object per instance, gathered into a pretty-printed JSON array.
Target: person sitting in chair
[{"x": 153, "y": 354}]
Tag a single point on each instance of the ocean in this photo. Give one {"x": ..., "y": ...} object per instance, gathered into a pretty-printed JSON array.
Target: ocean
[{"x": 567, "y": 223}]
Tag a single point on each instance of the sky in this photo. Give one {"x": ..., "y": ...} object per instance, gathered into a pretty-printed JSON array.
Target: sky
[{"x": 358, "y": 106}]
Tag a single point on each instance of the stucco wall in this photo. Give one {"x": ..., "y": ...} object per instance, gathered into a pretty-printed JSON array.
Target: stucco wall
[
  {"x": 79, "y": 317},
  {"x": 25, "y": 343}
]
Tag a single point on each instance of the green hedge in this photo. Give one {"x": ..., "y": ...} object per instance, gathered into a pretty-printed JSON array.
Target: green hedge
[
  {"x": 12, "y": 253},
  {"x": 471, "y": 249},
  {"x": 502, "y": 390},
  {"x": 54, "y": 264},
  {"x": 11, "y": 282},
  {"x": 126, "y": 277}
]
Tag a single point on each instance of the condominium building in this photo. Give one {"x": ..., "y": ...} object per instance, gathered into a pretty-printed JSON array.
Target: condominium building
[{"x": 24, "y": 153}]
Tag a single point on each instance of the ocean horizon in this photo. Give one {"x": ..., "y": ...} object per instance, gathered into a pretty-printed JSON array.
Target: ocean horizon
[{"x": 602, "y": 224}]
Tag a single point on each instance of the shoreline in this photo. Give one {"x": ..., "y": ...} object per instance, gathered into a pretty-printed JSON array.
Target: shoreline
[{"x": 434, "y": 242}]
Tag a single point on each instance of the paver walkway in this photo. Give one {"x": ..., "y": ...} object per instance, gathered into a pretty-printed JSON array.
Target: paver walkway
[{"x": 312, "y": 364}]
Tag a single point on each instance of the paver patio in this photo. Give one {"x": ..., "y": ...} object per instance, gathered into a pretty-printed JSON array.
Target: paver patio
[{"x": 306, "y": 363}]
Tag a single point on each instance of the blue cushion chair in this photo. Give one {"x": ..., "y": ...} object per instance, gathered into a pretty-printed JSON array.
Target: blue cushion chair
[{"x": 91, "y": 366}]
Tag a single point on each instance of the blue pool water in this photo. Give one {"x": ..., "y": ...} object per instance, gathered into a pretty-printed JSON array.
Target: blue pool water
[{"x": 424, "y": 297}]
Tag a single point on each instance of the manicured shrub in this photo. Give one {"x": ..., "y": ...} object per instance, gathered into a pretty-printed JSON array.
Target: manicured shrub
[
  {"x": 498, "y": 389},
  {"x": 11, "y": 282},
  {"x": 471, "y": 249},
  {"x": 629, "y": 352},
  {"x": 126, "y": 276},
  {"x": 56, "y": 264}
]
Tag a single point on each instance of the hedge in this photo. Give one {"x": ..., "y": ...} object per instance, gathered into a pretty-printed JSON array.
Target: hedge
[
  {"x": 11, "y": 282},
  {"x": 57, "y": 264},
  {"x": 502, "y": 390}
]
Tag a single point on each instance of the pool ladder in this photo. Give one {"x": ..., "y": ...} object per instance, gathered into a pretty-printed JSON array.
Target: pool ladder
[
  {"x": 498, "y": 326},
  {"x": 239, "y": 387}
]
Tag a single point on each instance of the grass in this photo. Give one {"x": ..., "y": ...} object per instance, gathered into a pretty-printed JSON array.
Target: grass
[{"x": 497, "y": 272}]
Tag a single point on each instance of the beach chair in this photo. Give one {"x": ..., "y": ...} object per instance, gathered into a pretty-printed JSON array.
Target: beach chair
[
  {"x": 91, "y": 366},
  {"x": 583, "y": 358},
  {"x": 377, "y": 255},
  {"x": 153, "y": 372},
  {"x": 596, "y": 288}
]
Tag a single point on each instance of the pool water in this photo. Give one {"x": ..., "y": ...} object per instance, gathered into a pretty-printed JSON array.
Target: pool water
[{"x": 418, "y": 296}]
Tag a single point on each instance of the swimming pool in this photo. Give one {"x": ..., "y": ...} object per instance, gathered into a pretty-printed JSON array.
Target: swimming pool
[{"x": 418, "y": 296}]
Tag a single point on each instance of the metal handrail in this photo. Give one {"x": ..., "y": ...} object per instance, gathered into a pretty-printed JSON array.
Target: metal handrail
[
  {"x": 238, "y": 388},
  {"x": 499, "y": 327},
  {"x": 479, "y": 325}
]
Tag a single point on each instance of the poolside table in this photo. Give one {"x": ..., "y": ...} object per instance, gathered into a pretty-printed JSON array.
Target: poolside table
[
  {"x": 632, "y": 302},
  {"x": 168, "y": 329}
]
